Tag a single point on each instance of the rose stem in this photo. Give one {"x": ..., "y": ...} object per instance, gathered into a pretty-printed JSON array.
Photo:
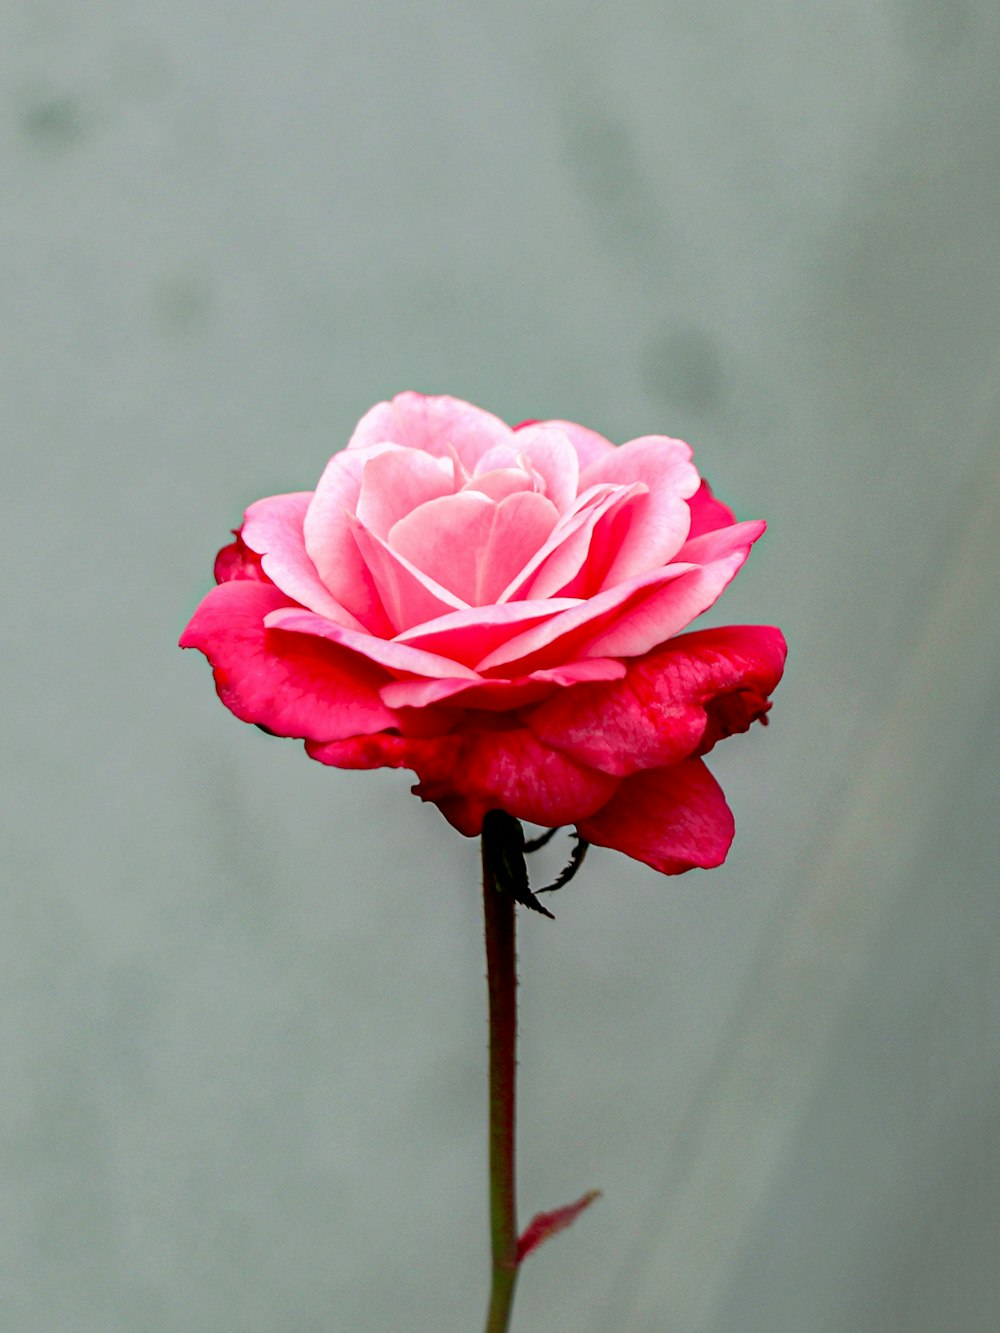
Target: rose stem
[{"x": 501, "y": 980}]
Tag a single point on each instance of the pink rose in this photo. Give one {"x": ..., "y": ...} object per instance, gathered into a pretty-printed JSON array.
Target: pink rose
[{"x": 499, "y": 610}]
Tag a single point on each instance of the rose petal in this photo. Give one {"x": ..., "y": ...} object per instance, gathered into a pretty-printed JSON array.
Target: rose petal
[
  {"x": 386, "y": 652},
  {"x": 660, "y": 522},
  {"x": 467, "y": 636},
  {"x": 496, "y": 695},
  {"x": 656, "y": 618},
  {"x": 468, "y": 773},
  {"x": 549, "y": 452},
  {"x": 389, "y": 750},
  {"x": 673, "y": 819},
  {"x": 717, "y": 543},
  {"x": 398, "y": 480},
  {"x": 676, "y": 701},
  {"x": 423, "y": 693},
  {"x": 708, "y": 513},
  {"x": 330, "y": 543},
  {"x": 498, "y": 458},
  {"x": 501, "y": 482},
  {"x": 433, "y": 424},
  {"x": 291, "y": 685},
  {"x": 566, "y": 637},
  {"x": 637, "y": 615},
  {"x": 410, "y": 596},
  {"x": 471, "y": 545},
  {"x": 571, "y": 563},
  {"x": 237, "y": 561},
  {"x": 588, "y": 444},
  {"x": 273, "y": 528},
  {"x": 513, "y": 771}
]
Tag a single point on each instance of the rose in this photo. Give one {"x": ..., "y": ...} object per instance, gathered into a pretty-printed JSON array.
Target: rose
[{"x": 499, "y": 610}]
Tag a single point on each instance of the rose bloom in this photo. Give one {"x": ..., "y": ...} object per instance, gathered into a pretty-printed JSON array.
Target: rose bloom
[{"x": 499, "y": 610}]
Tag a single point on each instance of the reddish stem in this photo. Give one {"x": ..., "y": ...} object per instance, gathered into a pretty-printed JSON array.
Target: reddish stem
[{"x": 501, "y": 979}]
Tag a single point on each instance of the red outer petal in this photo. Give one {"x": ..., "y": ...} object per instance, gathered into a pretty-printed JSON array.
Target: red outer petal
[
  {"x": 707, "y": 513},
  {"x": 673, "y": 819},
  {"x": 290, "y": 684},
  {"x": 467, "y": 773},
  {"x": 237, "y": 561},
  {"x": 676, "y": 701},
  {"x": 389, "y": 750}
]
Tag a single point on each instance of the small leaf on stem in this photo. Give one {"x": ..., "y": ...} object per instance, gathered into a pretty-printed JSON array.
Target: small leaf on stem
[
  {"x": 533, "y": 844},
  {"x": 575, "y": 862},
  {"x": 544, "y": 1225},
  {"x": 503, "y": 844}
]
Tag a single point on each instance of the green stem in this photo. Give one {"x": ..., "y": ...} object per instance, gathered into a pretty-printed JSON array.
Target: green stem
[{"x": 501, "y": 979}]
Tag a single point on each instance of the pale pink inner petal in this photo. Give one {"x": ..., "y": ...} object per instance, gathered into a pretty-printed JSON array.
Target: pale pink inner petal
[
  {"x": 610, "y": 533},
  {"x": 330, "y": 542},
  {"x": 434, "y": 424},
  {"x": 410, "y": 595},
  {"x": 497, "y": 457},
  {"x": 660, "y": 525},
  {"x": 471, "y": 545},
  {"x": 501, "y": 482},
  {"x": 459, "y": 470},
  {"x": 582, "y": 547},
  {"x": 566, "y": 548},
  {"x": 549, "y": 452},
  {"x": 395, "y": 482},
  {"x": 588, "y": 444},
  {"x": 273, "y": 528},
  {"x": 396, "y": 656}
]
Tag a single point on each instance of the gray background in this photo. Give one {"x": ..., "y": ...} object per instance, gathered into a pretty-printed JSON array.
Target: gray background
[{"x": 243, "y": 1014}]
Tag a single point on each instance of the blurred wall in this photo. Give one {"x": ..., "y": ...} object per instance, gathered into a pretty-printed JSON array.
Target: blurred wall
[{"x": 243, "y": 1014}]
